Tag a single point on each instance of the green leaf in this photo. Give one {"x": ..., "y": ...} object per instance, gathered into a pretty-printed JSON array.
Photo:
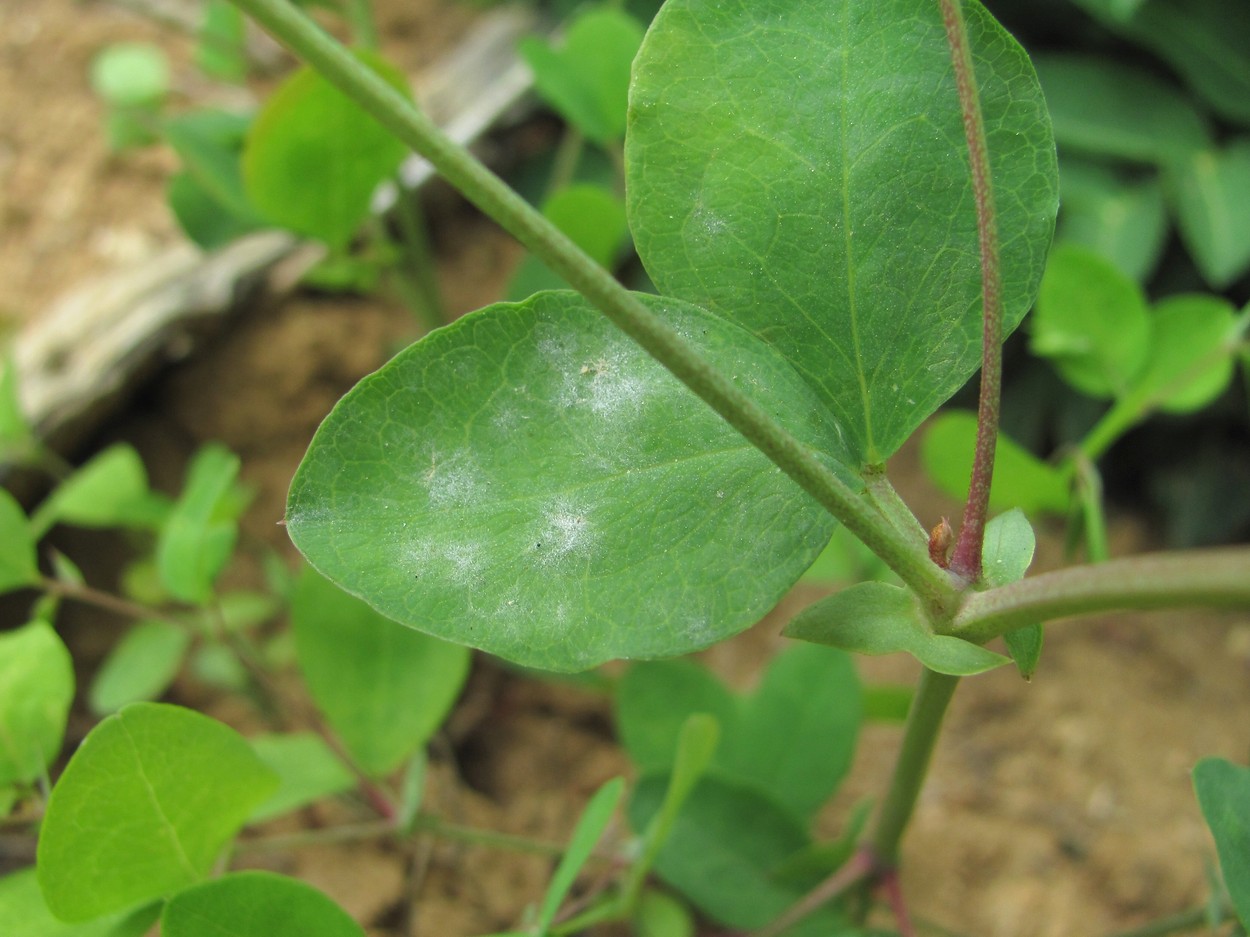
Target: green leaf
[
  {"x": 36, "y": 690},
  {"x": 199, "y": 535},
  {"x": 1206, "y": 41},
  {"x": 16, "y": 435},
  {"x": 18, "y": 564},
  {"x": 1224, "y": 794},
  {"x": 1119, "y": 217},
  {"x": 144, "y": 808},
  {"x": 255, "y": 904},
  {"x": 110, "y": 490},
  {"x": 793, "y": 737},
  {"x": 594, "y": 820},
  {"x": 1112, "y": 10},
  {"x": 1091, "y": 321},
  {"x": 796, "y": 734},
  {"x": 1106, "y": 108},
  {"x": 1021, "y": 479},
  {"x": 586, "y": 77},
  {"x": 130, "y": 74},
  {"x": 844, "y": 560},
  {"x": 313, "y": 158},
  {"x": 724, "y": 848},
  {"x": 202, "y": 218},
  {"x": 23, "y": 913},
  {"x": 838, "y": 223},
  {"x": 1006, "y": 555},
  {"x": 877, "y": 618},
  {"x": 307, "y": 771},
  {"x": 486, "y": 485},
  {"x": 221, "y": 51},
  {"x": 384, "y": 688},
  {"x": 1191, "y": 348},
  {"x": 1209, "y": 189},
  {"x": 141, "y": 666},
  {"x": 660, "y": 915},
  {"x": 210, "y": 144}
]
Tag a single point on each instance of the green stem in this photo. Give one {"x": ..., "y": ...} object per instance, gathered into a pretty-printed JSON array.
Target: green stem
[
  {"x": 1207, "y": 578},
  {"x": 1192, "y": 919},
  {"x": 924, "y": 721},
  {"x": 496, "y": 199},
  {"x": 966, "y": 559}
]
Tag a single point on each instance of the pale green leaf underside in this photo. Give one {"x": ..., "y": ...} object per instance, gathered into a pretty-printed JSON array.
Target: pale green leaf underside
[
  {"x": 801, "y": 168},
  {"x": 528, "y": 481},
  {"x": 878, "y": 618}
]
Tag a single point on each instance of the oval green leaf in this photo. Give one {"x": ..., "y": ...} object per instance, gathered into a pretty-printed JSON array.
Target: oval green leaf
[
  {"x": 384, "y": 688},
  {"x": 307, "y": 769},
  {"x": 255, "y": 904},
  {"x": 314, "y": 158},
  {"x": 1210, "y": 187},
  {"x": 18, "y": 563},
  {"x": 36, "y": 689},
  {"x": 141, "y": 666},
  {"x": 530, "y": 482},
  {"x": 24, "y": 913},
  {"x": 144, "y": 808},
  {"x": 801, "y": 169},
  {"x": 1223, "y": 790}
]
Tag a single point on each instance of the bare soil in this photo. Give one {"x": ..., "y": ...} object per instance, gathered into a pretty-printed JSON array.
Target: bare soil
[{"x": 1058, "y": 807}]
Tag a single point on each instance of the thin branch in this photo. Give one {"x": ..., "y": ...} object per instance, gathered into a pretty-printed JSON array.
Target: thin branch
[{"x": 966, "y": 560}]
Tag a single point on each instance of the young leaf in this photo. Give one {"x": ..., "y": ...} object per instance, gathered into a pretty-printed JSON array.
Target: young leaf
[
  {"x": 110, "y": 490},
  {"x": 23, "y": 913},
  {"x": 1209, "y": 187},
  {"x": 18, "y": 564},
  {"x": 877, "y": 618},
  {"x": 586, "y": 77},
  {"x": 384, "y": 688},
  {"x": 654, "y": 698},
  {"x": 727, "y": 842},
  {"x": 255, "y": 904},
  {"x": 1007, "y": 554},
  {"x": 141, "y": 666},
  {"x": 143, "y": 809},
  {"x": 485, "y": 487},
  {"x": 199, "y": 535},
  {"x": 1224, "y": 794},
  {"x": 593, "y": 218},
  {"x": 1091, "y": 321},
  {"x": 1191, "y": 347},
  {"x": 1021, "y": 479},
  {"x": 36, "y": 689},
  {"x": 307, "y": 771},
  {"x": 221, "y": 51},
  {"x": 1106, "y": 108},
  {"x": 1119, "y": 217},
  {"x": 130, "y": 74},
  {"x": 594, "y": 820},
  {"x": 660, "y": 915},
  {"x": 313, "y": 158},
  {"x": 800, "y": 169}
]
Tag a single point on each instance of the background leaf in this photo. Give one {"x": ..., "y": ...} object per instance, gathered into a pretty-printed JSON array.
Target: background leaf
[
  {"x": 1118, "y": 216},
  {"x": 307, "y": 771},
  {"x": 498, "y": 469},
  {"x": 140, "y": 666},
  {"x": 255, "y": 904},
  {"x": 143, "y": 809},
  {"x": 1223, "y": 790},
  {"x": 110, "y": 490},
  {"x": 1109, "y": 108},
  {"x": 1091, "y": 321},
  {"x": 313, "y": 158},
  {"x": 837, "y": 224},
  {"x": 1211, "y": 188},
  {"x": 18, "y": 564},
  {"x": 1021, "y": 479},
  {"x": 36, "y": 690},
  {"x": 384, "y": 688},
  {"x": 585, "y": 76},
  {"x": 199, "y": 535}
]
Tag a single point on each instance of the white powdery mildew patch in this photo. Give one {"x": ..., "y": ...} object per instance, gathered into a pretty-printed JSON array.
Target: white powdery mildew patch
[
  {"x": 457, "y": 562},
  {"x": 562, "y": 534},
  {"x": 451, "y": 481},
  {"x": 608, "y": 385}
]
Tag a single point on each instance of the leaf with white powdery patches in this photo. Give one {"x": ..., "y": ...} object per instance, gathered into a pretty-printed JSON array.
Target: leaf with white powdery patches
[{"x": 486, "y": 487}]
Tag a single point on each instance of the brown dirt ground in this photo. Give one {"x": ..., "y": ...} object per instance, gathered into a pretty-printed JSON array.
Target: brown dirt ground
[{"x": 1056, "y": 808}]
